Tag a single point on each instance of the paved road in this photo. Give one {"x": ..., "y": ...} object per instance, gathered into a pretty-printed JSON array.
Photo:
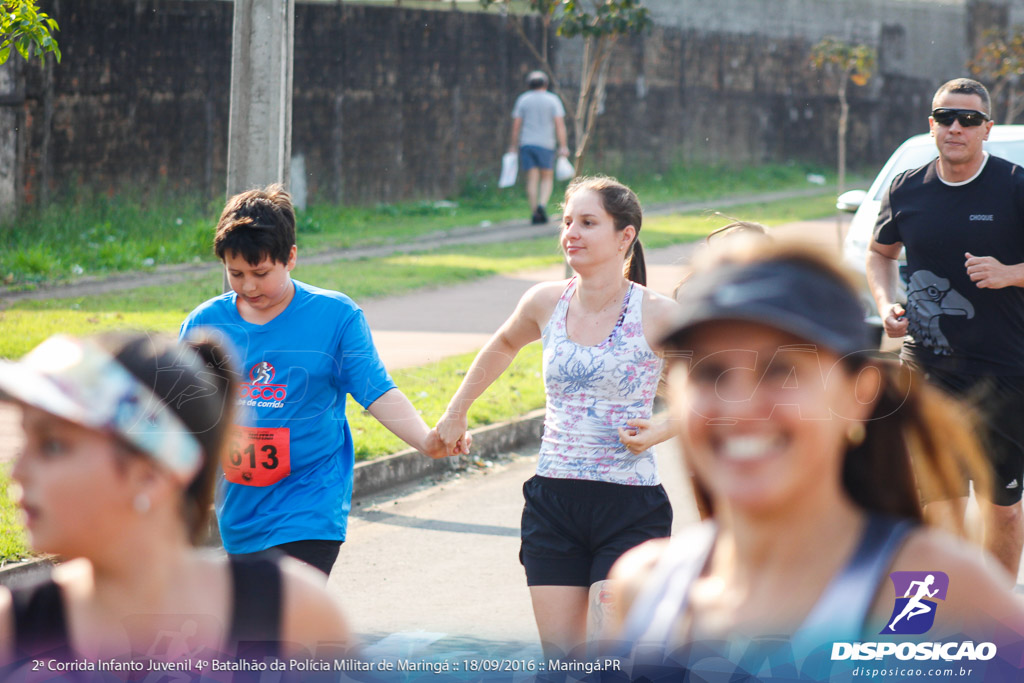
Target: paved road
[
  {"x": 438, "y": 569},
  {"x": 433, "y": 568}
]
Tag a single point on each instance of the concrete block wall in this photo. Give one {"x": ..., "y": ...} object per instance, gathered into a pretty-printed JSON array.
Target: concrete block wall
[{"x": 394, "y": 104}]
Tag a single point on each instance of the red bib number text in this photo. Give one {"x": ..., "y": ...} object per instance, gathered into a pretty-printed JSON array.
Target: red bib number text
[{"x": 258, "y": 457}]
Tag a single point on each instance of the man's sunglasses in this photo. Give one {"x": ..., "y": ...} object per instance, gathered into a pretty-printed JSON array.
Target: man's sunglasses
[{"x": 944, "y": 116}]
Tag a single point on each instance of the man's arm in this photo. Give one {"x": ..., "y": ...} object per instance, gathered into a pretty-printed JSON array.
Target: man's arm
[
  {"x": 517, "y": 126},
  {"x": 987, "y": 272},
  {"x": 563, "y": 140},
  {"x": 882, "y": 270}
]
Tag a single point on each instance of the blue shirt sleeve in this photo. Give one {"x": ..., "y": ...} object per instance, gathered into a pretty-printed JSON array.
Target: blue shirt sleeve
[{"x": 362, "y": 372}]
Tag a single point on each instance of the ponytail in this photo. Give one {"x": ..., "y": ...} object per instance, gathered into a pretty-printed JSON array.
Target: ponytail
[
  {"x": 199, "y": 494},
  {"x": 919, "y": 446},
  {"x": 636, "y": 270}
]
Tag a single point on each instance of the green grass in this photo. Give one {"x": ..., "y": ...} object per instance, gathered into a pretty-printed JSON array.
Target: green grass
[
  {"x": 518, "y": 391},
  {"x": 162, "y": 308},
  {"x": 90, "y": 234},
  {"x": 13, "y": 541}
]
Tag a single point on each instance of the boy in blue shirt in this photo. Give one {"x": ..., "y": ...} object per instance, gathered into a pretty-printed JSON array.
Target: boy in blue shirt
[{"x": 287, "y": 480}]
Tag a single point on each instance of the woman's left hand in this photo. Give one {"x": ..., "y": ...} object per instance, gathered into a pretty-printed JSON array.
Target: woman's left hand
[{"x": 642, "y": 435}]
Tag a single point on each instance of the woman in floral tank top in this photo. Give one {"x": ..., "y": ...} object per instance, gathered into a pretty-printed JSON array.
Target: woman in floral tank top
[{"x": 597, "y": 492}]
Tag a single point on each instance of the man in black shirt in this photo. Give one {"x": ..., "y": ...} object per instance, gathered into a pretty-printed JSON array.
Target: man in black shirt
[{"x": 961, "y": 219}]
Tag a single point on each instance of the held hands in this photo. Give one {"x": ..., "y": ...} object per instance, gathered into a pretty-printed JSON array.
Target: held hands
[
  {"x": 895, "y": 322},
  {"x": 436, "y": 449},
  {"x": 433, "y": 446},
  {"x": 988, "y": 272},
  {"x": 451, "y": 429}
]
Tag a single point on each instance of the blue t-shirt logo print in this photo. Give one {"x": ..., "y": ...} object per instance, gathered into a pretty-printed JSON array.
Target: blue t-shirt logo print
[{"x": 917, "y": 594}]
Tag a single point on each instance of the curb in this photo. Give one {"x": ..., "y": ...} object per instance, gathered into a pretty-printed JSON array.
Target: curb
[
  {"x": 369, "y": 478},
  {"x": 15, "y": 574}
]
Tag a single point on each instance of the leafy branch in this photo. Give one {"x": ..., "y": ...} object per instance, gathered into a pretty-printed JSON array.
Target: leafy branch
[
  {"x": 844, "y": 63},
  {"x": 26, "y": 30},
  {"x": 1000, "y": 61}
]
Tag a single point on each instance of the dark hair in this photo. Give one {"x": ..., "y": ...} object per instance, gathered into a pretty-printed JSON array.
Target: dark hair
[
  {"x": 623, "y": 206},
  {"x": 736, "y": 228},
  {"x": 965, "y": 86},
  {"x": 197, "y": 381},
  {"x": 536, "y": 80},
  {"x": 918, "y": 443},
  {"x": 257, "y": 224},
  {"x": 918, "y": 446}
]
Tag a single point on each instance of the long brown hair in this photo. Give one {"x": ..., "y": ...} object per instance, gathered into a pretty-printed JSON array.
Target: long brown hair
[
  {"x": 623, "y": 206},
  {"x": 197, "y": 382},
  {"x": 919, "y": 444}
]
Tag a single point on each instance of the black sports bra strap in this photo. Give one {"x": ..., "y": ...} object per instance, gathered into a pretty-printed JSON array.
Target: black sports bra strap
[{"x": 39, "y": 620}]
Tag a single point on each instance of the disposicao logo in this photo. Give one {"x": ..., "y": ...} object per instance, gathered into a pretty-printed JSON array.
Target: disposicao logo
[
  {"x": 917, "y": 599},
  {"x": 914, "y": 613}
]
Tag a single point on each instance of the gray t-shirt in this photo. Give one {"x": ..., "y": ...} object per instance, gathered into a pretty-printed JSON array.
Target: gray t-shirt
[{"x": 538, "y": 110}]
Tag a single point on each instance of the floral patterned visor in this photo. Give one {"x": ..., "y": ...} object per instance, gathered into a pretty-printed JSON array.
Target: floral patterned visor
[{"x": 78, "y": 381}]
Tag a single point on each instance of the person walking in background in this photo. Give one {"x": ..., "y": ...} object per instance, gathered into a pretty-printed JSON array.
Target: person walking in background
[
  {"x": 287, "y": 483},
  {"x": 593, "y": 498},
  {"x": 538, "y": 124},
  {"x": 124, "y": 435},
  {"x": 815, "y": 457},
  {"x": 961, "y": 220}
]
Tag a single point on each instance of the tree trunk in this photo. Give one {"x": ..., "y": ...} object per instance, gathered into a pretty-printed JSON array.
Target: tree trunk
[
  {"x": 595, "y": 59},
  {"x": 844, "y": 116}
]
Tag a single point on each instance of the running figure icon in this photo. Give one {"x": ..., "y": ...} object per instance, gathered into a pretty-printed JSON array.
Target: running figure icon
[
  {"x": 263, "y": 372},
  {"x": 915, "y": 606}
]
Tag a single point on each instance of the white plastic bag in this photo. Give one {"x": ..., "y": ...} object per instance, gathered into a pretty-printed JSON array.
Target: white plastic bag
[
  {"x": 509, "y": 169},
  {"x": 564, "y": 169}
]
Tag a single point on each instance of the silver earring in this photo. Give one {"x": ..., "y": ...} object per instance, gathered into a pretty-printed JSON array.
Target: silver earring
[{"x": 141, "y": 503}]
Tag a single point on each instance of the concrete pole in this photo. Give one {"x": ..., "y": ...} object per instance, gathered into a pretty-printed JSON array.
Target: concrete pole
[
  {"x": 10, "y": 101},
  {"x": 260, "y": 122}
]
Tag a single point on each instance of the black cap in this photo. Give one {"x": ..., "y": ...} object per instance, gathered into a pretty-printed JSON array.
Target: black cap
[{"x": 789, "y": 295}]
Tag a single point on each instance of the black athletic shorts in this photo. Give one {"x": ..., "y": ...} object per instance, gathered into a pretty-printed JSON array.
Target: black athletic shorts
[
  {"x": 999, "y": 403},
  {"x": 316, "y": 553},
  {"x": 574, "y": 530}
]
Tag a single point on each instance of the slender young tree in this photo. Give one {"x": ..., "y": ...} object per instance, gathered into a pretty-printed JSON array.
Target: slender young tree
[
  {"x": 600, "y": 23},
  {"x": 843, "y": 62}
]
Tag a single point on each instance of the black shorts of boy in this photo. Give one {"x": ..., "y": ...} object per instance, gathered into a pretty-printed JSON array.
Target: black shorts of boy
[
  {"x": 574, "y": 530},
  {"x": 319, "y": 554},
  {"x": 998, "y": 404}
]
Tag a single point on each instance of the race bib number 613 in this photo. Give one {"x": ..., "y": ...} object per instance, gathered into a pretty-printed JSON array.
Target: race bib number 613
[{"x": 258, "y": 456}]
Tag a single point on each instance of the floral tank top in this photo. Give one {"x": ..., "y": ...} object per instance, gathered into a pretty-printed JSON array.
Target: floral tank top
[{"x": 591, "y": 392}]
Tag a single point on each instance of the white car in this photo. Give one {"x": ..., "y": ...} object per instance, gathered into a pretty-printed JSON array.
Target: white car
[{"x": 1004, "y": 141}]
